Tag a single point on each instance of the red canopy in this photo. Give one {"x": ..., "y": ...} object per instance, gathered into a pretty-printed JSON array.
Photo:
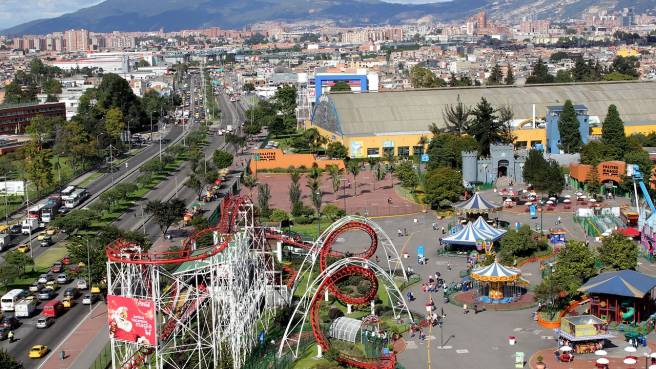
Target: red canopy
[{"x": 629, "y": 232}]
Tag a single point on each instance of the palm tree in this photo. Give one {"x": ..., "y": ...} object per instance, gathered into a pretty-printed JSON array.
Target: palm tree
[
  {"x": 334, "y": 171},
  {"x": 354, "y": 168},
  {"x": 295, "y": 176},
  {"x": 195, "y": 183},
  {"x": 250, "y": 182},
  {"x": 263, "y": 197},
  {"x": 456, "y": 117},
  {"x": 379, "y": 173}
]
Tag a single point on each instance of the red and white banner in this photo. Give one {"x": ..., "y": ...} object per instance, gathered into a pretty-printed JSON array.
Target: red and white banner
[{"x": 131, "y": 319}]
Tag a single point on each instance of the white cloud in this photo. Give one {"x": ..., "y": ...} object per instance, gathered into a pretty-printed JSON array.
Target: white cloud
[{"x": 13, "y": 12}]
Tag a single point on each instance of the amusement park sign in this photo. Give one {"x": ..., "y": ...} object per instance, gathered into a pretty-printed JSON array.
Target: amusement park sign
[{"x": 131, "y": 320}]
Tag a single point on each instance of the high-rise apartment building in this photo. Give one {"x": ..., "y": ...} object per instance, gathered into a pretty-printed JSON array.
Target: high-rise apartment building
[{"x": 77, "y": 40}]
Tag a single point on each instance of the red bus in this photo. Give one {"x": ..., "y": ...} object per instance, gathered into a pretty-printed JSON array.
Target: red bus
[{"x": 53, "y": 308}]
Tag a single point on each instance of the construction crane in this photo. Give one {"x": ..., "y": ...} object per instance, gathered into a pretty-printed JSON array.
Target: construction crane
[{"x": 633, "y": 170}]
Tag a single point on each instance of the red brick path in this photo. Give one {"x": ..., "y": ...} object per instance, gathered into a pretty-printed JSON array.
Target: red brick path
[
  {"x": 373, "y": 202},
  {"x": 584, "y": 361}
]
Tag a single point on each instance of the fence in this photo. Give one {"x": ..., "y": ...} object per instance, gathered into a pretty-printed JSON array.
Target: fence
[{"x": 104, "y": 359}]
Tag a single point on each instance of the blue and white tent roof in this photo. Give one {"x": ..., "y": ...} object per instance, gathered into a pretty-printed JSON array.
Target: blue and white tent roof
[
  {"x": 496, "y": 272},
  {"x": 484, "y": 227},
  {"x": 469, "y": 234},
  {"x": 477, "y": 204}
]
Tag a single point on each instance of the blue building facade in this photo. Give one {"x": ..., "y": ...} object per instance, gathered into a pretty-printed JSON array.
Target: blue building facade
[
  {"x": 553, "y": 134},
  {"x": 320, "y": 78}
]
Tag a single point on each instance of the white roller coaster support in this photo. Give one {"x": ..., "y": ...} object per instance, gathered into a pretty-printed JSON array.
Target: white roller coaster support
[{"x": 293, "y": 333}]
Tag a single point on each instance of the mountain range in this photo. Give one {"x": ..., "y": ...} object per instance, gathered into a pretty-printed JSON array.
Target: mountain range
[{"x": 172, "y": 15}]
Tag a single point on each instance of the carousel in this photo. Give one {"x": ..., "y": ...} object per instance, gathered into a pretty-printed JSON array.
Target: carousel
[
  {"x": 498, "y": 284},
  {"x": 476, "y": 205}
]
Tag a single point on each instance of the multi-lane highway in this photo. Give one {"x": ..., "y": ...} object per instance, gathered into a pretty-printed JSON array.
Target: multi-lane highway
[{"x": 27, "y": 334}]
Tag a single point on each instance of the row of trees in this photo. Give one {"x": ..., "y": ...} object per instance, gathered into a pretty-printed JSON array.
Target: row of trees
[
  {"x": 622, "y": 68},
  {"x": 422, "y": 77},
  {"x": 39, "y": 78},
  {"x": 278, "y": 113}
]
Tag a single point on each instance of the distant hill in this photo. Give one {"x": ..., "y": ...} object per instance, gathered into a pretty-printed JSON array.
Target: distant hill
[{"x": 150, "y": 15}]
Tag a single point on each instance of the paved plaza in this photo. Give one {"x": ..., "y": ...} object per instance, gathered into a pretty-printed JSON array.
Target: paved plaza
[{"x": 471, "y": 340}]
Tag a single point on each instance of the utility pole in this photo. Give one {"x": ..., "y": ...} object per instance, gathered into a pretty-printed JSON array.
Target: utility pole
[
  {"x": 111, "y": 161},
  {"x": 89, "y": 271}
]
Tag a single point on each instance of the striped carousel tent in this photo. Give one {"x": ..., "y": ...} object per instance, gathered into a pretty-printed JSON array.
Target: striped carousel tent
[
  {"x": 496, "y": 272},
  {"x": 469, "y": 235},
  {"x": 477, "y": 204},
  {"x": 485, "y": 227}
]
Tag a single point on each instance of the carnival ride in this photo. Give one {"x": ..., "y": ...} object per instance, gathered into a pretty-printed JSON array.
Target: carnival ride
[
  {"x": 211, "y": 297},
  {"x": 336, "y": 266}
]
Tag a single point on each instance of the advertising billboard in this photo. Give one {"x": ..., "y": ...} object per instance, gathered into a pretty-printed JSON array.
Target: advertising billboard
[
  {"x": 131, "y": 320},
  {"x": 16, "y": 188}
]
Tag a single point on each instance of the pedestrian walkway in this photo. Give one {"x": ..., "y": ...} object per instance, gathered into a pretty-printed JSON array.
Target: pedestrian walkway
[{"x": 83, "y": 344}]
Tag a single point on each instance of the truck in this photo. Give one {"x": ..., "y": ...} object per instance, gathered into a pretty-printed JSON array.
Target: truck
[
  {"x": 53, "y": 308},
  {"x": 29, "y": 225},
  {"x": 5, "y": 241},
  {"x": 24, "y": 308}
]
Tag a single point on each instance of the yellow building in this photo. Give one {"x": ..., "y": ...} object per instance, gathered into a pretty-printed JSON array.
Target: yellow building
[{"x": 394, "y": 122}]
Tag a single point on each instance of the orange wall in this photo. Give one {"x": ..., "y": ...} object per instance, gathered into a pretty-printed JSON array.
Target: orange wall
[
  {"x": 276, "y": 158},
  {"x": 607, "y": 171}
]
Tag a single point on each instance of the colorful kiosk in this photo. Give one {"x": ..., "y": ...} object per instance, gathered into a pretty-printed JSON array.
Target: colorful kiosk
[
  {"x": 498, "y": 284},
  {"x": 624, "y": 296},
  {"x": 584, "y": 333}
]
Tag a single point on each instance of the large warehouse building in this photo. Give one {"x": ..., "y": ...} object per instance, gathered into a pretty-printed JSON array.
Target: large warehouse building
[{"x": 377, "y": 124}]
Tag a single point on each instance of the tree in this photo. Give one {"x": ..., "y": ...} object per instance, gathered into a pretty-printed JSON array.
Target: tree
[
  {"x": 594, "y": 152},
  {"x": 545, "y": 176},
  {"x": 443, "y": 185},
  {"x": 540, "y": 74},
  {"x": 406, "y": 173},
  {"x": 626, "y": 65},
  {"x": 340, "y": 86},
  {"x": 114, "y": 124},
  {"x": 568, "y": 127},
  {"x": 250, "y": 182},
  {"x": 618, "y": 252},
  {"x": 314, "y": 139},
  {"x": 195, "y": 182},
  {"x": 19, "y": 261},
  {"x": 456, "y": 117},
  {"x": 564, "y": 76},
  {"x": 165, "y": 213},
  {"x": 222, "y": 159},
  {"x": 37, "y": 165},
  {"x": 42, "y": 129},
  {"x": 78, "y": 219},
  {"x": 263, "y": 198},
  {"x": 249, "y": 87},
  {"x": 8, "y": 361},
  {"x": 496, "y": 76},
  {"x": 487, "y": 128},
  {"x": 510, "y": 76},
  {"x": 612, "y": 132},
  {"x": 445, "y": 149},
  {"x": 421, "y": 77},
  {"x": 285, "y": 100},
  {"x": 354, "y": 169},
  {"x": 379, "y": 173},
  {"x": 520, "y": 243},
  {"x": 334, "y": 173},
  {"x": 336, "y": 150}
]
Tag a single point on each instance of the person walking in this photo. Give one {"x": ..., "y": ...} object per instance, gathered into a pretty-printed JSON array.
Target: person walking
[
  {"x": 10, "y": 335},
  {"x": 464, "y": 309}
]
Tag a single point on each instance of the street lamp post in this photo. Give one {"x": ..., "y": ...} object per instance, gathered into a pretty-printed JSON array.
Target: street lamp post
[
  {"x": 343, "y": 180},
  {"x": 89, "y": 270}
]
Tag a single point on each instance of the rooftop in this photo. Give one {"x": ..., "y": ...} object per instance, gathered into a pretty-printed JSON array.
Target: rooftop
[{"x": 412, "y": 111}]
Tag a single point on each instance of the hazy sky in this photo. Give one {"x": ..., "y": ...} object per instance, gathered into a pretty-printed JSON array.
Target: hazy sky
[{"x": 13, "y": 12}]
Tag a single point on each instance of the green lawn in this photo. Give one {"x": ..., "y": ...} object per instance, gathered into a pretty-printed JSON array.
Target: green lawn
[
  {"x": 42, "y": 264},
  {"x": 310, "y": 230}
]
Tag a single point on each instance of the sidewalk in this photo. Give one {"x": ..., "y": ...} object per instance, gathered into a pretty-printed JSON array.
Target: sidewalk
[{"x": 84, "y": 343}]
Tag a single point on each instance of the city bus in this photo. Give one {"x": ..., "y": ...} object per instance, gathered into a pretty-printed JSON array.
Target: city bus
[
  {"x": 75, "y": 198},
  {"x": 34, "y": 212},
  {"x": 9, "y": 300}
]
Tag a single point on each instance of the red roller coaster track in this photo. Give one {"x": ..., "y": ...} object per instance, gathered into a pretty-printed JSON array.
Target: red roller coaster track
[{"x": 331, "y": 282}]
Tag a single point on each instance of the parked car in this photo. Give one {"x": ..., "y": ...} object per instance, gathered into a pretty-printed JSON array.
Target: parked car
[
  {"x": 45, "y": 322},
  {"x": 46, "y": 294},
  {"x": 4, "y": 333},
  {"x": 9, "y": 322},
  {"x": 62, "y": 278}
]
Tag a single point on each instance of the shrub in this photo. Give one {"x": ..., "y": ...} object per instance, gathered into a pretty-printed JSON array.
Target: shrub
[
  {"x": 278, "y": 215},
  {"x": 363, "y": 287},
  {"x": 303, "y": 219},
  {"x": 333, "y": 212}
]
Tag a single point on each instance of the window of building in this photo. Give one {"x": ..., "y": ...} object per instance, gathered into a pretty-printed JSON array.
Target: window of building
[
  {"x": 534, "y": 143},
  {"x": 403, "y": 151},
  {"x": 373, "y": 151},
  {"x": 417, "y": 150},
  {"x": 388, "y": 151},
  {"x": 520, "y": 144}
]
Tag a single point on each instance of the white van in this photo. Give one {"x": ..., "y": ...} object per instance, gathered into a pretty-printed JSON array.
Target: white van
[{"x": 9, "y": 300}]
